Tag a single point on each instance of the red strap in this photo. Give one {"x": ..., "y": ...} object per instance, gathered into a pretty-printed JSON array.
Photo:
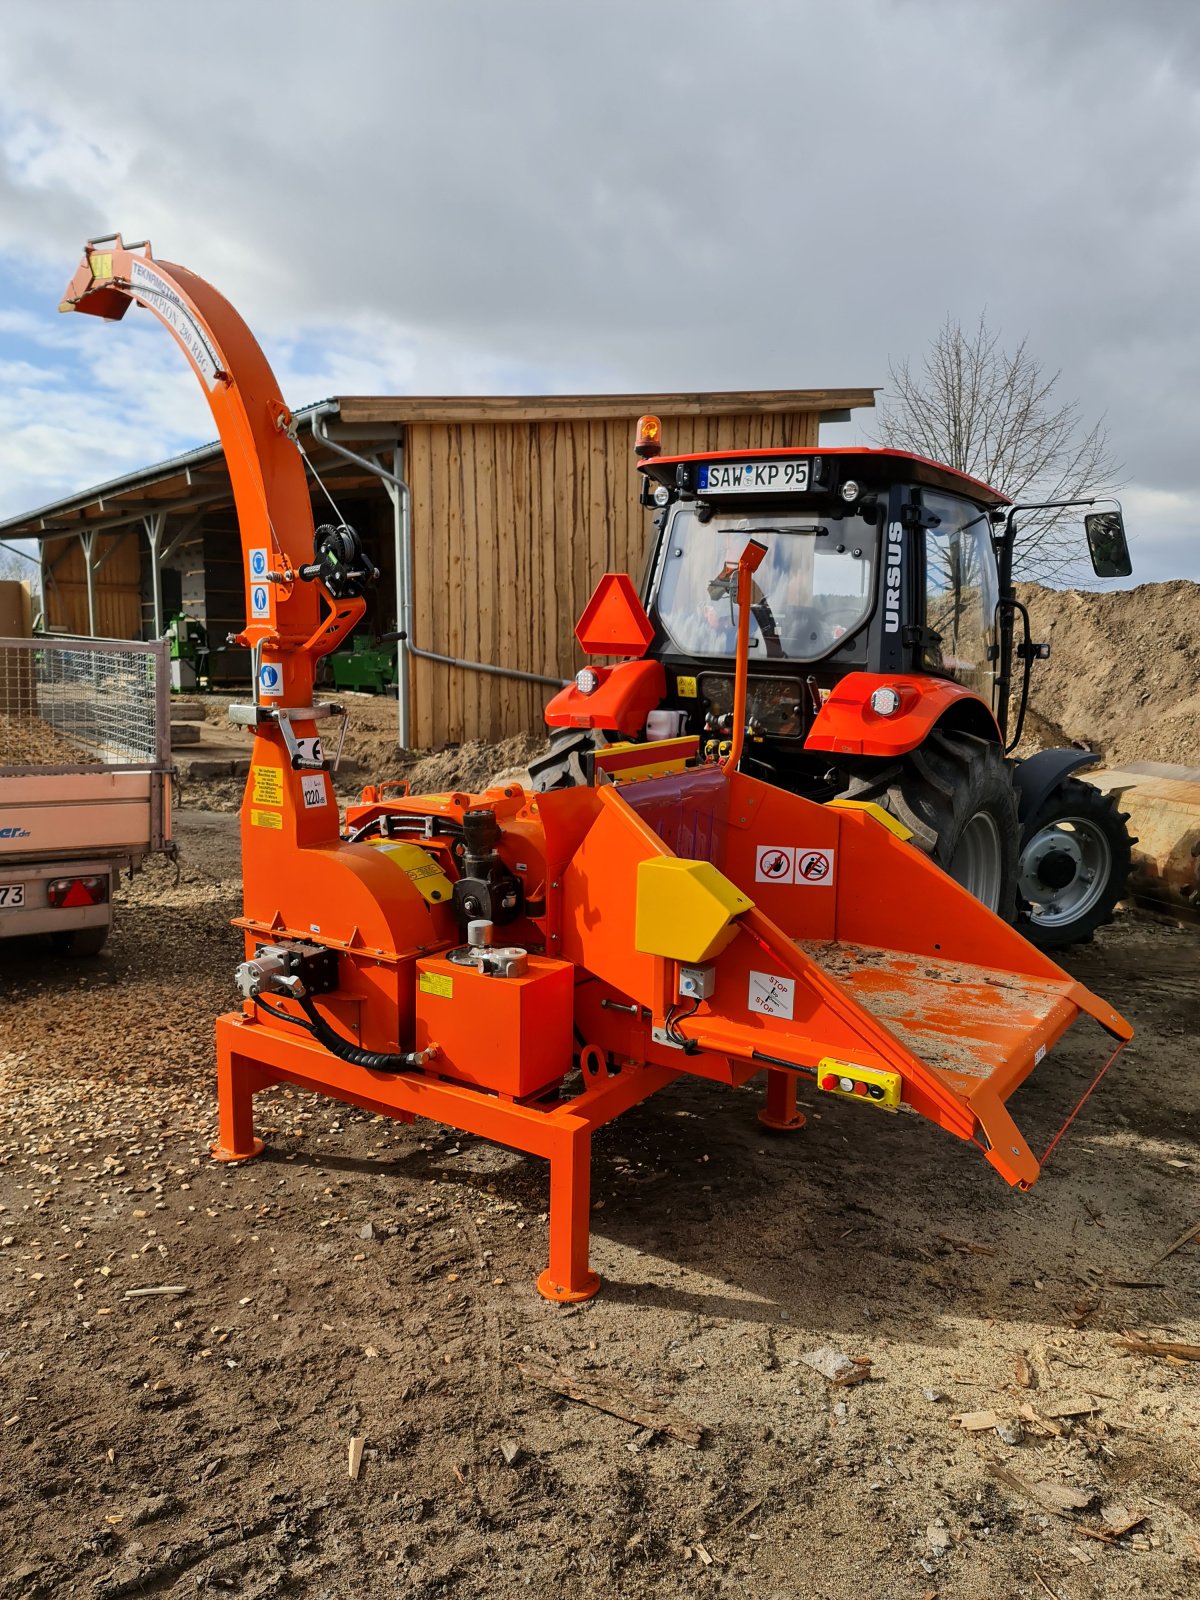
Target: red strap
[{"x": 1086, "y": 1096}]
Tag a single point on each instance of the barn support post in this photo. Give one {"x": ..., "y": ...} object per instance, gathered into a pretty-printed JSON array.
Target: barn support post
[
  {"x": 154, "y": 525},
  {"x": 88, "y": 541}
]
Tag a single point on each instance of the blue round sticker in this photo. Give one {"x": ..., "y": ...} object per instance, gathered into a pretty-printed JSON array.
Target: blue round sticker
[
  {"x": 260, "y": 599},
  {"x": 268, "y": 676},
  {"x": 258, "y": 563}
]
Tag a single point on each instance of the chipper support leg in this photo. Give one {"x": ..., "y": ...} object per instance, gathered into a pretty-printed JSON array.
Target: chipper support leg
[
  {"x": 236, "y": 1083},
  {"x": 568, "y": 1276},
  {"x": 780, "y": 1111}
]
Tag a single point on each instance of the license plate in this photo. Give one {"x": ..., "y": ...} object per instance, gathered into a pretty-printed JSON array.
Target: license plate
[
  {"x": 11, "y": 896},
  {"x": 752, "y": 477}
]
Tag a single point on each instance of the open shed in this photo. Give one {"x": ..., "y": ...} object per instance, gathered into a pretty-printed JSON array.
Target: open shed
[{"x": 516, "y": 506}]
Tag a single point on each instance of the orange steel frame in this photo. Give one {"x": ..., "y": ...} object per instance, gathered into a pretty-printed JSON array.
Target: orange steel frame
[{"x": 582, "y": 850}]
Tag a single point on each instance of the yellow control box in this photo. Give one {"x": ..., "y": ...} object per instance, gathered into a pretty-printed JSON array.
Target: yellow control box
[{"x": 859, "y": 1083}]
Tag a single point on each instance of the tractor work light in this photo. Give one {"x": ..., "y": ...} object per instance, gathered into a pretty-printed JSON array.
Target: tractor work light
[
  {"x": 851, "y": 490},
  {"x": 885, "y": 701},
  {"x": 65, "y": 892},
  {"x": 648, "y": 441},
  {"x": 662, "y": 495},
  {"x": 587, "y": 680}
]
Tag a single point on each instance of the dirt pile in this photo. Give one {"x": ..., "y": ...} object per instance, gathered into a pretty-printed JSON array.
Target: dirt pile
[{"x": 1123, "y": 677}]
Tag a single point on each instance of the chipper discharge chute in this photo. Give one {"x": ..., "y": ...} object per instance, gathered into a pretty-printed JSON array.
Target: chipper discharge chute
[{"x": 526, "y": 967}]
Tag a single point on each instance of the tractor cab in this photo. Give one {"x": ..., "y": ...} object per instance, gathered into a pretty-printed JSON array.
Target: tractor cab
[{"x": 876, "y": 561}]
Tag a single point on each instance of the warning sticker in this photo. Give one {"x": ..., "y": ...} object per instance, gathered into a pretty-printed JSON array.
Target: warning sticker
[
  {"x": 268, "y": 786},
  {"x": 772, "y": 996},
  {"x": 776, "y": 863},
  {"x": 260, "y": 600},
  {"x": 814, "y": 866},
  {"x": 266, "y": 819},
  {"x": 786, "y": 863},
  {"x": 312, "y": 786},
  {"x": 259, "y": 564},
  {"x": 440, "y": 983},
  {"x": 685, "y": 688}
]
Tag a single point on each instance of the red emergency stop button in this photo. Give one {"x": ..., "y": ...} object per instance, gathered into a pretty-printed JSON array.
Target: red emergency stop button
[
  {"x": 829, "y": 1081},
  {"x": 859, "y": 1088}
]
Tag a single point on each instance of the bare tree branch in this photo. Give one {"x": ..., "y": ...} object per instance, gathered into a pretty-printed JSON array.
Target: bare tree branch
[{"x": 995, "y": 414}]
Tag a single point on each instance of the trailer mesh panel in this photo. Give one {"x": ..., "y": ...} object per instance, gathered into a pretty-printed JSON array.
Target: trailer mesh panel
[{"x": 78, "y": 703}]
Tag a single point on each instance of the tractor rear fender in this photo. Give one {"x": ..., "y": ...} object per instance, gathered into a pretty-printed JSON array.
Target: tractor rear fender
[
  {"x": 1039, "y": 774},
  {"x": 848, "y": 724},
  {"x": 622, "y": 700}
]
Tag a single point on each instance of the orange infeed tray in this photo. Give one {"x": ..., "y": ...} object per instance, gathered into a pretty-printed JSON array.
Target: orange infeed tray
[
  {"x": 971, "y": 1025},
  {"x": 510, "y": 1035}
]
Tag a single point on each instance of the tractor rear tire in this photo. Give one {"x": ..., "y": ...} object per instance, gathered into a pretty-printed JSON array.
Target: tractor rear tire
[
  {"x": 1074, "y": 866},
  {"x": 563, "y": 766},
  {"x": 955, "y": 795}
]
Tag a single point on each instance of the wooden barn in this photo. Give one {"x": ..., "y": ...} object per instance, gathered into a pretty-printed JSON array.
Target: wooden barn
[{"x": 490, "y": 519}]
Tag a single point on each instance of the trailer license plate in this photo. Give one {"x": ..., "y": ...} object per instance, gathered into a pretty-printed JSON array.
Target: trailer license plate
[
  {"x": 12, "y": 895},
  {"x": 752, "y": 477}
]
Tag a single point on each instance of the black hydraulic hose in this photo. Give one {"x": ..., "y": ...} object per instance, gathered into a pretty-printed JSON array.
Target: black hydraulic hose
[
  {"x": 373, "y": 1060},
  {"x": 281, "y": 1016}
]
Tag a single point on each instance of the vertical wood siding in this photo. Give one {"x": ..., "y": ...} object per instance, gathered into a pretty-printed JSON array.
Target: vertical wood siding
[
  {"x": 118, "y": 586},
  {"x": 513, "y": 525}
]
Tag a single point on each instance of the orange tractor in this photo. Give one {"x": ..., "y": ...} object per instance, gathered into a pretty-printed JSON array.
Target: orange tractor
[
  {"x": 526, "y": 967},
  {"x": 884, "y": 663}
]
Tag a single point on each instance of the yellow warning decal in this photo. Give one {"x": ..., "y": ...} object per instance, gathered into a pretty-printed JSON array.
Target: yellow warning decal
[
  {"x": 436, "y": 983},
  {"x": 268, "y": 786},
  {"x": 101, "y": 265},
  {"x": 685, "y": 688},
  {"x": 266, "y": 819}
]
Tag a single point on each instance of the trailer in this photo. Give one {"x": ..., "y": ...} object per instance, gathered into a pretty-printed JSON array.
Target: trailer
[{"x": 85, "y": 791}]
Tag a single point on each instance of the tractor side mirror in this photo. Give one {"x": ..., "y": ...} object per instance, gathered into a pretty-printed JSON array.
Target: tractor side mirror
[{"x": 1106, "y": 541}]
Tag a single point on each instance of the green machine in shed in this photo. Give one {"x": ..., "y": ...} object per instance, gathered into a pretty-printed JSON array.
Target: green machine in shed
[{"x": 366, "y": 666}]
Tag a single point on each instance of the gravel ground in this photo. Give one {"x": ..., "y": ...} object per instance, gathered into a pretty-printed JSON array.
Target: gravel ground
[{"x": 371, "y": 1280}]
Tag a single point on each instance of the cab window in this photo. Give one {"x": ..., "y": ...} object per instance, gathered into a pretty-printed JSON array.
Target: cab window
[{"x": 961, "y": 592}]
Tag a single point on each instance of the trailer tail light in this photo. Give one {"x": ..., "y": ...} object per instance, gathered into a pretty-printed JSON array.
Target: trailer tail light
[
  {"x": 885, "y": 702},
  {"x": 63, "y": 893},
  {"x": 648, "y": 440},
  {"x": 587, "y": 680},
  {"x": 859, "y": 1083}
]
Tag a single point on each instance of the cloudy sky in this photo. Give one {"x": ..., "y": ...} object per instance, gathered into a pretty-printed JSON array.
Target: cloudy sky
[{"x": 477, "y": 196}]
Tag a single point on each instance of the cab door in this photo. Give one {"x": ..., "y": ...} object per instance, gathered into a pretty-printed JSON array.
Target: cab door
[{"x": 961, "y": 594}]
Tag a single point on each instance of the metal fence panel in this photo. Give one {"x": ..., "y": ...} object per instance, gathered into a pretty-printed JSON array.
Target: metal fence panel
[{"x": 73, "y": 704}]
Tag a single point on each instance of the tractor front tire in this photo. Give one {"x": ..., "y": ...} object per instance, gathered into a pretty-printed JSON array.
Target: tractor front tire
[
  {"x": 955, "y": 795},
  {"x": 1074, "y": 866},
  {"x": 564, "y": 764}
]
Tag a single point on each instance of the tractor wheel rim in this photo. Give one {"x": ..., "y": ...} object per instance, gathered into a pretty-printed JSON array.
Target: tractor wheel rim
[
  {"x": 978, "y": 860},
  {"x": 1088, "y": 846}
]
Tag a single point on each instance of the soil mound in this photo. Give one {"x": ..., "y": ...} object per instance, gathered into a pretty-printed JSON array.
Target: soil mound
[{"x": 1123, "y": 677}]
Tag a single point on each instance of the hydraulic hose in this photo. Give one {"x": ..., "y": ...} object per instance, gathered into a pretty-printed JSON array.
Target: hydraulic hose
[{"x": 372, "y": 1060}]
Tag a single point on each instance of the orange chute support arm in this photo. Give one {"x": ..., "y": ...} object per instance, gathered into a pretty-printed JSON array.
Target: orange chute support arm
[{"x": 284, "y": 626}]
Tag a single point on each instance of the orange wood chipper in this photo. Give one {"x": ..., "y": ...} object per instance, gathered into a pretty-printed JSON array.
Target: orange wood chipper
[{"x": 526, "y": 967}]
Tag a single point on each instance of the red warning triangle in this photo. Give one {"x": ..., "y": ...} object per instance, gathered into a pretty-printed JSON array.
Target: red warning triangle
[{"x": 614, "y": 621}]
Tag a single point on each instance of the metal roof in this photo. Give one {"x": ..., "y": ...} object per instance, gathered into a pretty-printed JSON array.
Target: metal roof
[{"x": 199, "y": 478}]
